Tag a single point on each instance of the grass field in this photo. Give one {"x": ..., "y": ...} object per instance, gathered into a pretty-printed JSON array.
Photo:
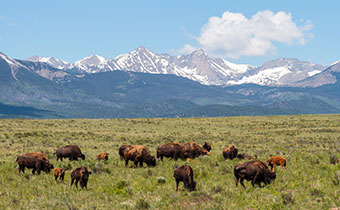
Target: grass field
[{"x": 311, "y": 144}]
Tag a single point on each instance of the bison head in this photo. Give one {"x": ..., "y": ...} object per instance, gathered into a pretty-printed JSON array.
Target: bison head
[
  {"x": 151, "y": 161},
  {"x": 207, "y": 146},
  {"x": 82, "y": 156},
  {"x": 192, "y": 186}
]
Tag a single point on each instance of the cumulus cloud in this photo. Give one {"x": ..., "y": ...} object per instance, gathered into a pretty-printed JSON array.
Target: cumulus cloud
[
  {"x": 187, "y": 49},
  {"x": 233, "y": 35}
]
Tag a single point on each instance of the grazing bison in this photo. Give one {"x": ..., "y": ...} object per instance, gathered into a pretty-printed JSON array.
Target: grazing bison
[
  {"x": 185, "y": 174},
  {"x": 139, "y": 154},
  {"x": 80, "y": 174},
  {"x": 26, "y": 161},
  {"x": 172, "y": 150},
  {"x": 207, "y": 146},
  {"x": 254, "y": 171},
  {"x": 122, "y": 149},
  {"x": 246, "y": 156},
  {"x": 192, "y": 150},
  {"x": 70, "y": 151},
  {"x": 276, "y": 160},
  {"x": 230, "y": 152},
  {"x": 41, "y": 156},
  {"x": 103, "y": 156},
  {"x": 59, "y": 173}
]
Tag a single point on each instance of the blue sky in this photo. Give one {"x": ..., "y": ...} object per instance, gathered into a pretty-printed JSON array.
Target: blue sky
[{"x": 240, "y": 31}]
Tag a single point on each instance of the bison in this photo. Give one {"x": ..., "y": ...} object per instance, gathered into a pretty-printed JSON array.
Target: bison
[
  {"x": 246, "y": 156},
  {"x": 139, "y": 154},
  {"x": 103, "y": 156},
  {"x": 122, "y": 149},
  {"x": 193, "y": 150},
  {"x": 170, "y": 150},
  {"x": 80, "y": 174},
  {"x": 230, "y": 152},
  {"x": 254, "y": 171},
  {"x": 26, "y": 161},
  {"x": 207, "y": 146},
  {"x": 59, "y": 173},
  {"x": 70, "y": 151},
  {"x": 185, "y": 174},
  {"x": 276, "y": 160},
  {"x": 41, "y": 156}
]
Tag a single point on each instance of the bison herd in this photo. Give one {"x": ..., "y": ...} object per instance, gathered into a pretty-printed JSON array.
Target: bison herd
[{"x": 254, "y": 170}]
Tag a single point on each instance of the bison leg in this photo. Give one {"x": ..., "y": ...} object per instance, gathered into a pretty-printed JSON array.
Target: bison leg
[
  {"x": 242, "y": 182},
  {"x": 62, "y": 177},
  {"x": 77, "y": 180},
  {"x": 255, "y": 179},
  {"x": 161, "y": 157},
  {"x": 236, "y": 181},
  {"x": 55, "y": 177},
  {"x": 177, "y": 182},
  {"x": 141, "y": 163},
  {"x": 33, "y": 171},
  {"x": 72, "y": 180},
  {"x": 126, "y": 163}
]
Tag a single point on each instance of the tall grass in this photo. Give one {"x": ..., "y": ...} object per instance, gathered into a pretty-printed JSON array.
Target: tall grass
[{"x": 311, "y": 144}]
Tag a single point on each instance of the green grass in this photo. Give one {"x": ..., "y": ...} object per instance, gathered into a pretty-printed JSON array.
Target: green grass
[{"x": 309, "y": 142}]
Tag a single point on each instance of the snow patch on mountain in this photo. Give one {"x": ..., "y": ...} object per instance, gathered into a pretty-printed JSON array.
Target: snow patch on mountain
[
  {"x": 56, "y": 63},
  {"x": 265, "y": 77}
]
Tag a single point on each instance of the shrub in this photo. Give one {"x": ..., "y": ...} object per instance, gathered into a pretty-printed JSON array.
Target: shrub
[{"x": 142, "y": 204}]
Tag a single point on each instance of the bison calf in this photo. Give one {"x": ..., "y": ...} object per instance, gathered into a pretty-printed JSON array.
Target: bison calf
[
  {"x": 80, "y": 175},
  {"x": 254, "y": 171},
  {"x": 103, "y": 156},
  {"x": 59, "y": 173},
  {"x": 185, "y": 174},
  {"x": 276, "y": 160}
]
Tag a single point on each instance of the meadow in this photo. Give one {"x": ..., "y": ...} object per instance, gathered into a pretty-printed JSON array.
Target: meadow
[{"x": 311, "y": 144}]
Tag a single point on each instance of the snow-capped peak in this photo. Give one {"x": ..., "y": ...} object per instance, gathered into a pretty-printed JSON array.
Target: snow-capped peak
[
  {"x": 91, "y": 60},
  {"x": 336, "y": 62},
  {"x": 56, "y": 63}
]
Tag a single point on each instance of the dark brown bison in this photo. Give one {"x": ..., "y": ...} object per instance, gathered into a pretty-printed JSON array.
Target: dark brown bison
[
  {"x": 172, "y": 150},
  {"x": 59, "y": 173},
  {"x": 103, "y": 156},
  {"x": 230, "y": 152},
  {"x": 139, "y": 154},
  {"x": 185, "y": 174},
  {"x": 80, "y": 174},
  {"x": 122, "y": 149},
  {"x": 276, "y": 160},
  {"x": 41, "y": 156},
  {"x": 26, "y": 161},
  {"x": 70, "y": 151},
  {"x": 246, "y": 156},
  {"x": 193, "y": 150},
  {"x": 207, "y": 146},
  {"x": 254, "y": 171}
]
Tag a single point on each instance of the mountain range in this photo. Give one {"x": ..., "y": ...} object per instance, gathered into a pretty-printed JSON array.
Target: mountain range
[
  {"x": 197, "y": 66},
  {"x": 145, "y": 84}
]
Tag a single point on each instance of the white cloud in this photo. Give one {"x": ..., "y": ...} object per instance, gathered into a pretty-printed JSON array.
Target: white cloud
[
  {"x": 233, "y": 35},
  {"x": 187, "y": 49}
]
